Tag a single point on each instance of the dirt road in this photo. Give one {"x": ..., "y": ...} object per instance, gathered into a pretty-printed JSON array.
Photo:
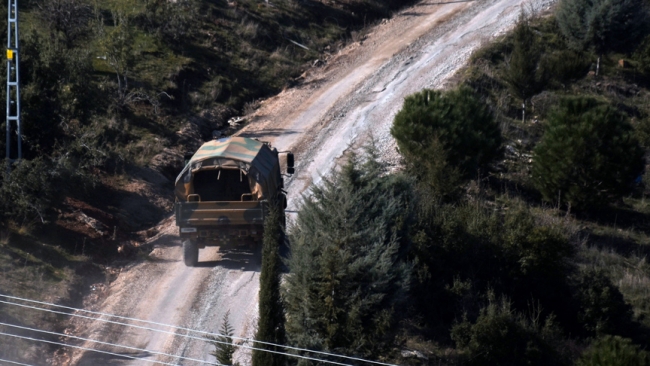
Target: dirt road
[{"x": 337, "y": 107}]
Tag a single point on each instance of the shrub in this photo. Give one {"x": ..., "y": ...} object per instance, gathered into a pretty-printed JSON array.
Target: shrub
[
  {"x": 348, "y": 273},
  {"x": 588, "y": 155},
  {"x": 457, "y": 119},
  {"x": 565, "y": 65},
  {"x": 500, "y": 336},
  {"x": 69, "y": 18},
  {"x": 614, "y": 351},
  {"x": 174, "y": 22},
  {"x": 117, "y": 44},
  {"x": 29, "y": 192},
  {"x": 462, "y": 250},
  {"x": 601, "y": 24},
  {"x": 642, "y": 132},
  {"x": 57, "y": 89},
  {"x": 602, "y": 307},
  {"x": 539, "y": 250},
  {"x": 438, "y": 179}
]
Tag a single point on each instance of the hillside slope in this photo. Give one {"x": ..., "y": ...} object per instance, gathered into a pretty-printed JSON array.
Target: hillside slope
[{"x": 113, "y": 94}]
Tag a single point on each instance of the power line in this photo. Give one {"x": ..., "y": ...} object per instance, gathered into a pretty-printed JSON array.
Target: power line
[
  {"x": 14, "y": 362},
  {"x": 185, "y": 329},
  {"x": 87, "y": 349},
  {"x": 187, "y": 335},
  {"x": 108, "y": 344}
]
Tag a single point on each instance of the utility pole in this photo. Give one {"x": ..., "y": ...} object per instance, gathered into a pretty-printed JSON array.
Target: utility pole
[{"x": 13, "y": 85}]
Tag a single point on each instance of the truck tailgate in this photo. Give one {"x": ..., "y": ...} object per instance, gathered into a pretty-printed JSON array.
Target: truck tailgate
[{"x": 219, "y": 213}]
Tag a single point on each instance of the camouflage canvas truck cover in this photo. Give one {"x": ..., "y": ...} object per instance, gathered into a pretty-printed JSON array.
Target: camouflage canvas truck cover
[{"x": 222, "y": 193}]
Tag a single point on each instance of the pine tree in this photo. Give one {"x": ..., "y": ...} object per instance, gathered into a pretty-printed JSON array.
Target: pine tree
[
  {"x": 588, "y": 155},
  {"x": 457, "y": 119},
  {"x": 348, "y": 277},
  {"x": 270, "y": 326},
  {"x": 601, "y": 24},
  {"x": 522, "y": 76},
  {"x": 224, "y": 348}
]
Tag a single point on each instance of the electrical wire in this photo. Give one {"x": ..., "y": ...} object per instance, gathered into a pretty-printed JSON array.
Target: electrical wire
[
  {"x": 87, "y": 349},
  {"x": 109, "y": 344},
  {"x": 14, "y": 362},
  {"x": 181, "y": 328},
  {"x": 184, "y": 335}
]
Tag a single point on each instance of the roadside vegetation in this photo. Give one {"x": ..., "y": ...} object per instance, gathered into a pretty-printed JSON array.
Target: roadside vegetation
[{"x": 517, "y": 232}]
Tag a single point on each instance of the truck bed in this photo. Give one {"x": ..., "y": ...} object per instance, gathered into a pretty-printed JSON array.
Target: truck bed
[{"x": 219, "y": 213}]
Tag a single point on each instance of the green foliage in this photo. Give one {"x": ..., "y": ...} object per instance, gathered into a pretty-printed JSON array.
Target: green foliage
[
  {"x": 463, "y": 250},
  {"x": 500, "y": 336},
  {"x": 57, "y": 92},
  {"x": 437, "y": 178},
  {"x": 66, "y": 20},
  {"x": 28, "y": 193},
  {"x": 642, "y": 56},
  {"x": 117, "y": 44},
  {"x": 588, "y": 155},
  {"x": 601, "y": 24},
  {"x": 564, "y": 65},
  {"x": 171, "y": 21},
  {"x": 458, "y": 120},
  {"x": 522, "y": 74},
  {"x": 602, "y": 307},
  {"x": 642, "y": 132},
  {"x": 614, "y": 351},
  {"x": 224, "y": 347},
  {"x": 349, "y": 277},
  {"x": 270, "y": 326}
]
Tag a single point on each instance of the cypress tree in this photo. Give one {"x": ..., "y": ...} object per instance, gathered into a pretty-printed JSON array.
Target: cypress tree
[
  {"x": 270, "y": 326},
  {"x": 349, "y": 277}
]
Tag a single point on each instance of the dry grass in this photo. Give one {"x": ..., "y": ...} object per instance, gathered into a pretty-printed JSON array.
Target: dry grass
[{"x": 34, "y": 270}]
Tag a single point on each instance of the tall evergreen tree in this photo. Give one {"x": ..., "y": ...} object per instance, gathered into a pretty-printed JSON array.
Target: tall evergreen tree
[
  {"x": 522, "y": 76},
  {"x": 601, "y": 24},
  {"x": 270, "y": 326},
  {"x": 348, "y": 277}
]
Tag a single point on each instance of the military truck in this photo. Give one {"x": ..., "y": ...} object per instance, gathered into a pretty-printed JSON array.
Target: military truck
[{"x": 223, "y": 192}]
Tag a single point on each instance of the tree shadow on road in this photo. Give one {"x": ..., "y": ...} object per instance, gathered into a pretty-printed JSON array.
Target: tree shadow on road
[
  {"x": 412, "y": 14},
  {"x": 442, "y": 2},
  {"x": 269, "y": 132},
  {"x": 119, "y": 358}
]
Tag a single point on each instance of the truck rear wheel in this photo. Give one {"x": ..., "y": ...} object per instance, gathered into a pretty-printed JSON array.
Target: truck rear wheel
[{"x": 190, "y": 253}]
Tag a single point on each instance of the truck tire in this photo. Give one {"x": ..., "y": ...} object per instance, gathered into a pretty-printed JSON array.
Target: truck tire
[{"x": 190, "y": 253}]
